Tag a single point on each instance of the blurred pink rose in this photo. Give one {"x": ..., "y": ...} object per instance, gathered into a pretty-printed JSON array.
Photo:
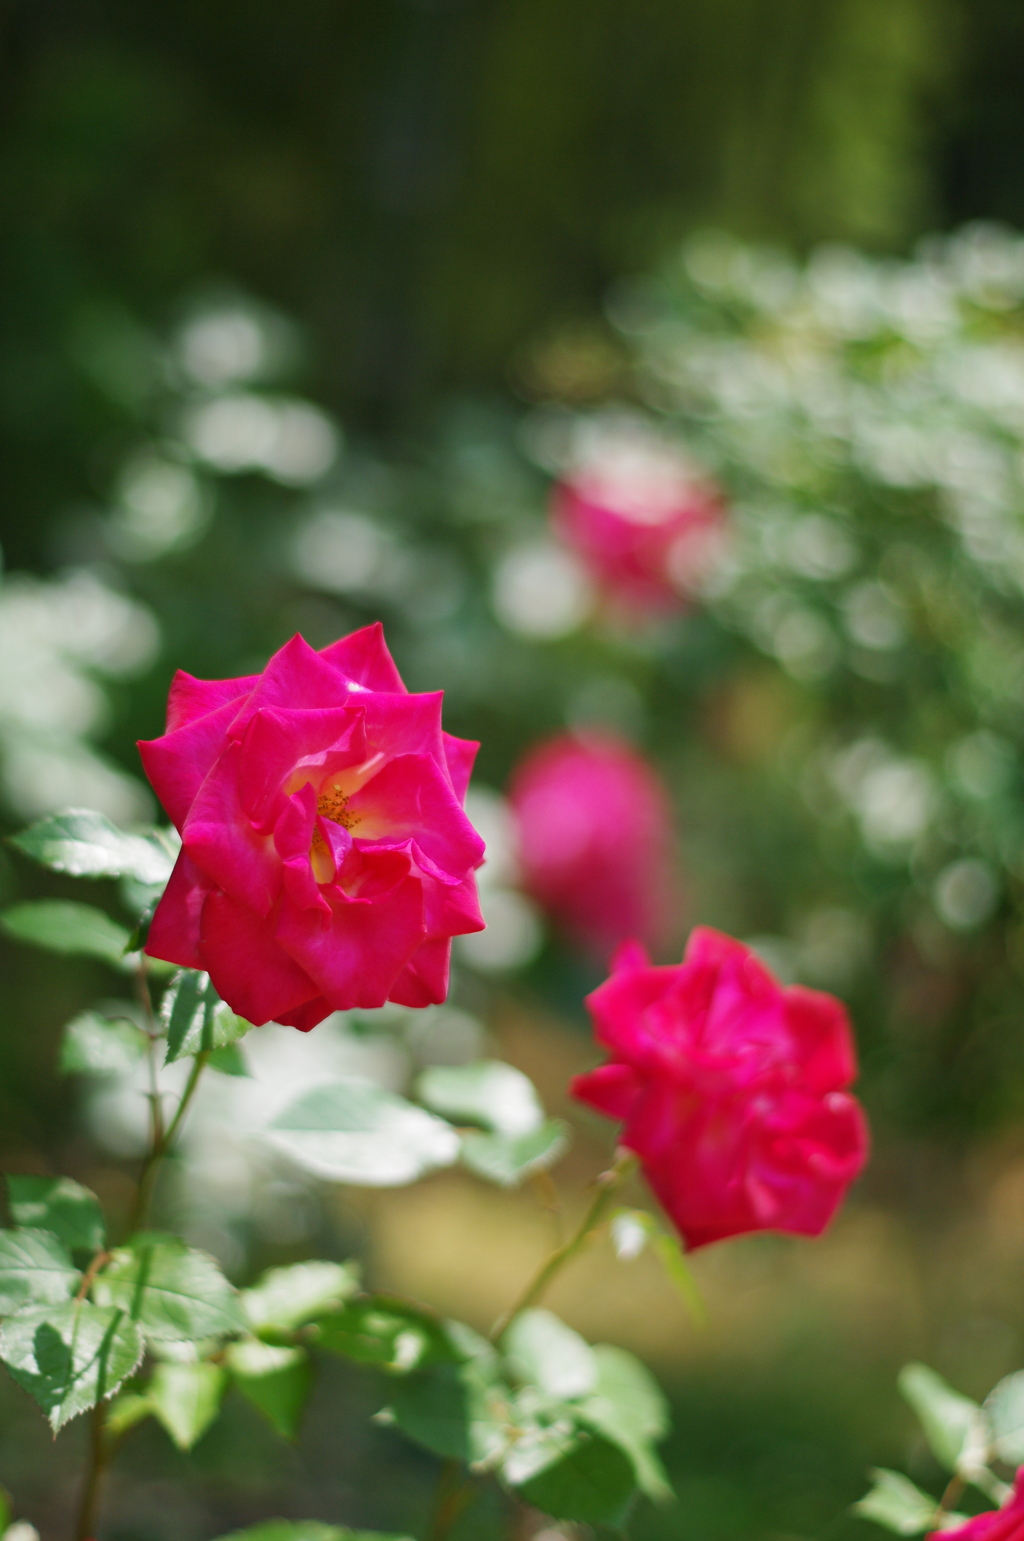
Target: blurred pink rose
[
  {"x": 645, "y": 522},
  {"x": 732, "y": 1089},
  {"x": 594, "y": 835},
  {"x": 1005, "y": 1524},
  {"x": 326, "y": 861}
]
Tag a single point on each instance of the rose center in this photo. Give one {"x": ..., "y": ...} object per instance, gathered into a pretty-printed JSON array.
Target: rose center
[{"x": 333, "y": 804}]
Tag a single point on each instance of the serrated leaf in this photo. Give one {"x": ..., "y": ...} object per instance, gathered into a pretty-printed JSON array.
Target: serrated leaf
[
  {"x": 628, "y": 1408},
  {"x": 97, "y": 1044},
  {"x": 542, "y": 1351},
  {"x": 59, "y": 1205},
  {"x": 174, "y": 1292},
  {"x": 70, "y": 1357},
  {"x": 195, "y": 1018},
  {"x": 287, "y": 1297},
  {"x": 591, "y": 1482},
  {"x": 186, "y": 1398},
  {"x": 489, "y": 1092},
  {"x": 85, "y": 844},
  {"x": 35, "y": 1270},
  {"x": 62, "y": 925},
  {"x": 897, "y": 1504},
  {"x": 459, "y": 1411},
  {"x": 509, "y": 1159},
  {"x": 355, "y": 1132},
  {"x": 954, "y": 1426},
  {"x": 386, "y": 1332},
  {"x": 1004, "y": 1406},
  {"x": 306, "y": 1530},
  {"x": 276, "y": 1380}
]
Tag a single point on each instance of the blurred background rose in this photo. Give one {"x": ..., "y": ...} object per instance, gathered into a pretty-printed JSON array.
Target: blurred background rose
[{"x": 311, "y": 316}]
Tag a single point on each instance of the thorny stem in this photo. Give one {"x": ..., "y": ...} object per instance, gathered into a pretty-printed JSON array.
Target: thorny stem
[{"x": 607, "y": 1183}]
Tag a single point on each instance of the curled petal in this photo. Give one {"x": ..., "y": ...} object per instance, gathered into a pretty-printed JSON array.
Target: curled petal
[
  {"x": 221, "y": 841},
  {"x": 611, "y": 1089},
  {"x": 355, "y": 954},
  {"x": 174, "y": 931},
  {"x": 189, "y": 698},
  {"x": 306, "y": 1017},
  {"x": 296, "y": 679},
  {"x": 424, "y": 980},
  {"x": 363, "y": 658},
  {"x": 822, "y": 1039},
  {"x": 255, "y": 975},
  {"x": 460, "y": 755},
  {"x": 410, "y": 799},
  {"x": 280, "y": 745}
]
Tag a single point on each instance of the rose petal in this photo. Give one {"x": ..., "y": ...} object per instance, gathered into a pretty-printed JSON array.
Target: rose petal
[
  {"x": 189, "y": 698},
  {"x": 280, "y": 744},
  {"x": 174, "y": 931},
  {"x": 222, "y": 842},
  {"x": 409, "y": 798},
  {"x": 424, "y": 980},
  {"x": 355, "y": 955},
  {"x": 257, "y": 978},
  {"x": 363, "y": 658},
  {"x": 178, "y": 763},
  {"x": 460, "y": 755}
]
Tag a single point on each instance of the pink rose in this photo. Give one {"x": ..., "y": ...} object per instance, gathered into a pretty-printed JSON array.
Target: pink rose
[
  {"x": 1005, "y": 1524},
  {"x": 732, "y": 1089},
  {"x": 646, "y": 524},
  {"x": 595, "y": 837},
  {"x": 326, "y": 861}
]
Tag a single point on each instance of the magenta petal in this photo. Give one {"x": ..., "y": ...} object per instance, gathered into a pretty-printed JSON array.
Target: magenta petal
[
  {"x": 822, "y": 1039},
  {"x": 460, "y": 754},
  {"x": 222, "y": 842},
  {"x": 404, "y": 724},
  {"x": 363, "y": 657},
  {"x": 276, "y": 740},
  {"x": 257, "y": 978},
  {"x": 630, "y": 954},
  {"x": 452, "y": 909},
  {"x": 295, "y": 679},
  {"x": 293, "y": 834},
  {"x": 178, "y": 763},
  {"x": 611, "y": 1089},
  {"x": 306, "y": 1017},
  {"x": 189, "y": 698},
  {"x": 619, "y": 1009},
  {"x": 174, "y": 931},
  {"x": 424, "y": 980},
  {"x": 355, "y": 955},
  {"x": 410, "y": 799}
]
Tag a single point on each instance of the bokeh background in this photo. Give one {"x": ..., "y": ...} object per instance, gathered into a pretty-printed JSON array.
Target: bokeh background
[{"x": 305, "y": 310}]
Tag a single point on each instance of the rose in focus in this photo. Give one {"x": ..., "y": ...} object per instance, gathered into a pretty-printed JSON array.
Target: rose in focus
[
  {"x": 732, "y": 1089},
  {"x": 594, "y": 836},
  {"x": 326, "y": 860},
  {"x": 645, "y": 522},
  {"x": 1005, "y": 1524}
]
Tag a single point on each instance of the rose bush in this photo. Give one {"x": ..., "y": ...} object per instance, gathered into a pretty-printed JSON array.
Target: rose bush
[
  {"x": 326, "y": 861},
  {"x": 732, "y": 1089},
  {"x": 645, "y": 521},
  {"x": 594, "y": 835}
]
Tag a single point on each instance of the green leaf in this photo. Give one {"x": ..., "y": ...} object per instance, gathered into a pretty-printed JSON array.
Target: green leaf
[
  {"x": 35, "y": 1270},
  {"x": 174, "y": 1292},
  {"x": 953, "y": 1425},
  {"x": 97, "y": 1044},
  {"x": 195, "y": 1018},
  {"x": 125, "y": 1412},
  {"x": 61, "y": 925},
  {"x": 508, "y": 1159},
  {"x": 897, "y": 1504},
  {"x": 542, "y": 1351},
  {"x": 490, "y": 1093},
  {"x": 59, "y": 1205},
  {"x": 186, "y": 1398},
  {"x": 590, "y": 1481},
  {"x": 276, "y": 1380},
  {"x": 85, "y": 844},
  {"x": 386, "y": 1332},
  {"x": 458, "y": 1411},
  {"x": 229, "y": 1060},
  {"x": 70, "y": 1357},
  {"x": 306, "y": 1530},
  {"x": 629, "y": 1409},
  {"x": 287, "y": 1297},
  {"x": 354, "y": 1132},
  {"x": 1005, "y": 1408}
]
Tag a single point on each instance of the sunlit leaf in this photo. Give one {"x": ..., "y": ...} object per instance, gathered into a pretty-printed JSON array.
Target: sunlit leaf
[
  {"x": 355, "y": 1132},
  {"x": 287, "y": 1297},
  {"x": 543, "y": 1352},
  {"x": 70, "y": 1357},
  {"x": 35, "y": 1269},
  {"x": 954, "y": 1426},
  {"x": 459, "y": 1411},
  {"x": 229, "y": 1060},
  {"x": 174, "y": 1292},
  {"x": 195, "y": 1018},
  {"x": 897, "y": 1504},
  {"x": 508, "y": 1159},
  {"x": 1005, "y": 1408},
  {"x": 386, "y": 1332},
  {"x": 59, "y": 1205},
  {"x": 96, "y": 1044},
  {"x": 85, "y": 844},
  {"x": 628, "y": 1408},
  {"x": 591, "y": 1480},
  {"x": 489, "y": 1092},
  {"x": 185, "y": 1398},
  {"x": 276, "y": 1380},
  {"x": 62, "y": 925}
]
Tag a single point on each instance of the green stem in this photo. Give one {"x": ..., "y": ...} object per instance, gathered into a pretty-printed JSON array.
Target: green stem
[
  {"x": 98, "y": 1456},
  {"x": 162, "y": 1144},
  {"x": 607, "y": 1184},
  {"x": 450, "y": 1498}
]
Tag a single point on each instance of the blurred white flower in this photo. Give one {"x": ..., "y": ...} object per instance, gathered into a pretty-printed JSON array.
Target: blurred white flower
[
  {"x": 541, "y": 591},
  {"x": 966, "y": 893},
  {"x": 291, "y": 441}
]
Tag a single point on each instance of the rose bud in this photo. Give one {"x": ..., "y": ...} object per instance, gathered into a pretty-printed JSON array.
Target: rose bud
[
  {"x": 1005, "y": 1524},
  {"x": 647, "y": 524},
  {"x": 731, "y": 1087},
  {"x": 594, "y": 835},
  {"x": 326, "y": 861}
]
